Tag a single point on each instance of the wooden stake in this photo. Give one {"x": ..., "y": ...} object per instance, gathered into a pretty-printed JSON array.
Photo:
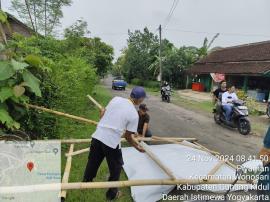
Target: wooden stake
[
  {"x": 67, "y": 171},
  {"x": 155, "y": 159},
  {"x": 77, "y": 118},
  {"x": 112, "y": 184},
  {"x": 95, "y": 102}
]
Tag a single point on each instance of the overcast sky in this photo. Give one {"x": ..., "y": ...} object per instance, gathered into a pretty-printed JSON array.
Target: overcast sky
[{"x": 237, "y": 21}]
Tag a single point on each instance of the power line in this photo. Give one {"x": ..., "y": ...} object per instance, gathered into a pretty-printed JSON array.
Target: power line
[
  {"x": 223, "y": 33},
  {"x": 168, "y": 18}
]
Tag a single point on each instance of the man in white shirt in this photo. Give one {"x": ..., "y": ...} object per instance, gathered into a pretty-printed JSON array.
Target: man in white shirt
[
  {"x": 227, "y": 101},
  {"x": 120, "y": 117}
]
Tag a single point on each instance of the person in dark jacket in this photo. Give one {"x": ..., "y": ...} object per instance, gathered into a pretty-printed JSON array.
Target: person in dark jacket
[{"x": 144, "y": 119}]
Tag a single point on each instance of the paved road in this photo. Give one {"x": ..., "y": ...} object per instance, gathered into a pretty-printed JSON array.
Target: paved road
[{"x": 170, "y": 120}]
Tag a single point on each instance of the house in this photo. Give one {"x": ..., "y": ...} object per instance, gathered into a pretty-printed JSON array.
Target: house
[
  {"x": 16, "y": 26},
  {"x": 246, "y": 66}
]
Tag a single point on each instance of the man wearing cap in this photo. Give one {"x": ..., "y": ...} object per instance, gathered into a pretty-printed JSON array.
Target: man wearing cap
[
  {"x": 144, "y": 119},
  {"x": 120, "y": 117},
  {"x": 264, "y": 155}
]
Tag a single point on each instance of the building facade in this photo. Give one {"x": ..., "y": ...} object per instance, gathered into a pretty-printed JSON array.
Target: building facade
[{"x": 246, "y": 66}]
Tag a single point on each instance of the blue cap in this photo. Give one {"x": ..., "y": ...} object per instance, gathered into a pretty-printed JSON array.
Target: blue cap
[{"x": 138, "y": 92}]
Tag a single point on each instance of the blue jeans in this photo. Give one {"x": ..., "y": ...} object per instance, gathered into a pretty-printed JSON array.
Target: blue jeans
[{"x": 228, "y": 111}]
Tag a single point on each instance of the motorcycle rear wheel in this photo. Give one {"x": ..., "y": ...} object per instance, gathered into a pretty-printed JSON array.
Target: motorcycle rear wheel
[
  {"x": 244, "y": 127},
  {"x": 217, "y": 118}
]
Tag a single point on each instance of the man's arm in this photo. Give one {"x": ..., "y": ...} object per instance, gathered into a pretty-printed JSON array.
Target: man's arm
[
  {"x": 102, "y": 112},
  {"x": 130, "y": 139}
]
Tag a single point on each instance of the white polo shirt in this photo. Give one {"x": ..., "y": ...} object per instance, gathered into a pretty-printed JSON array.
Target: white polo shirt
[
  {"x": 228, "y": 97},
  {"x": 120, "y": 115}
]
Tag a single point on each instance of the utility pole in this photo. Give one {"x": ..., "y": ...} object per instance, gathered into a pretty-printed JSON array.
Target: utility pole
[
  {"x": 160, "y": 60},
  {"x": 0, "y": 4}
]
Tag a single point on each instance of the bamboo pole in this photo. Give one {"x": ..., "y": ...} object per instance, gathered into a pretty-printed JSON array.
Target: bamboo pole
[
  {"x": 155, "y": 159},
  {"x": 70, "y": 141},
  {"x": 78, "y": 152},
  {"x": 180, "y": 139},
  {"x": 67, "y": 171},
  {"x": 185, "y": 144},
  {"x": 210, "y": 151},
  {"x": 112, "y": 184},
  {"x": 95, "y": 102},
  {"x": 77, "y": 118},
  {"x": 217, "y": 153},
  {"x": 122, "y": 140},
  {"x": 216, "y": 168}
]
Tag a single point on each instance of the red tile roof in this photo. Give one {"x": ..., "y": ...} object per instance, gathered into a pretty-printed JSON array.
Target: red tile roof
[{"x": 245, "y": 59}]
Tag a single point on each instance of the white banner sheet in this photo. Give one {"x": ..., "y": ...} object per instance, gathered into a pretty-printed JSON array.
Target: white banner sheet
[{"x": 184, "y": 162}]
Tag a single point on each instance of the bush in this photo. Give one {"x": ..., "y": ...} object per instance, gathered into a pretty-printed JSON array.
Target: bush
[
  {"x": 152, "y": 84},
  {"x": 137, "y": 82},
  {"x": 241, "y": 94}
]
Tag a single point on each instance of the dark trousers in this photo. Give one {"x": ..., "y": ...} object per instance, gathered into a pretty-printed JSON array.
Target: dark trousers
[{"x": 99, "y": 151}]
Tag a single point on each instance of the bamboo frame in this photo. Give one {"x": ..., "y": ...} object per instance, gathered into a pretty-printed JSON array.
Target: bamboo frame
[
  {"x": 65, "y": 178},
  {"x": 71, "y": 141},
  {"x": 202, "y": 148},
  {"x": 77, "y": 118},
  {"x": 111, "y": 184},
  {"x": 95, "y": 102},
  {"x": 155, "y": 159},
  {"x": 216, "y": 168},
  {"x": 95, "y": 185},
  {"x": 74, "y": 153},
  {"x": 185, "y": 144}
]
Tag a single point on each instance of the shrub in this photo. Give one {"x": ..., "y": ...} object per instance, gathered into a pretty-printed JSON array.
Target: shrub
[
  {"x": 137, "y": 82},
  {"x": 152, "y": 84},
  {"x": 241, "y": 94}
]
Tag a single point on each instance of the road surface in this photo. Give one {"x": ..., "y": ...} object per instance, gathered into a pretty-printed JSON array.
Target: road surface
[
  {"x": 168, "y": 119},
  {"x": 171, "y": 120}
]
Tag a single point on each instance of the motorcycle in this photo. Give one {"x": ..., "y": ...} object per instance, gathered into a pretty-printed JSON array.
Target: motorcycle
[
  {"x": 239, "y": 116},
  {"x": 268, "y": 108},
  {"x": 166, "y": 94}
]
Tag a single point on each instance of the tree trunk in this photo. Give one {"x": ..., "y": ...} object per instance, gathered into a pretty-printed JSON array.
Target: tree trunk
[
  {"x": 3, "y": 34},
  {"x": 45, "y": 16},
  {"x": 29, "y": 13}
]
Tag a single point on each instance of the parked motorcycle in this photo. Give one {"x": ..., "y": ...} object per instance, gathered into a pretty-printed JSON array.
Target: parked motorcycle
[
  {"x": 268, "y": 108},
  {"x": 239, "y": 116},
  {"x": 166, "y": 94}
]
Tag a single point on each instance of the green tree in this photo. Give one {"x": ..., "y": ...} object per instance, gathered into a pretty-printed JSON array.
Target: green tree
[
  {"x": 140, "y": 53},
  {"x": 93, "y": 50},
  {"x": 42, "y": 15}
]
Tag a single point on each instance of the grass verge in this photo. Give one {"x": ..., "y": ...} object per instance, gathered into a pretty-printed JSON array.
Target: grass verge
[{"x": 71, "y": 129}]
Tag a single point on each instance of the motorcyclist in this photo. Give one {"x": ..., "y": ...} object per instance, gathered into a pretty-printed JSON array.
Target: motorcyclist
[
  {"x": 227, "y": 101},
  {"x": 165, "y": 87},
  {"x": 217, "y": 94}
]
